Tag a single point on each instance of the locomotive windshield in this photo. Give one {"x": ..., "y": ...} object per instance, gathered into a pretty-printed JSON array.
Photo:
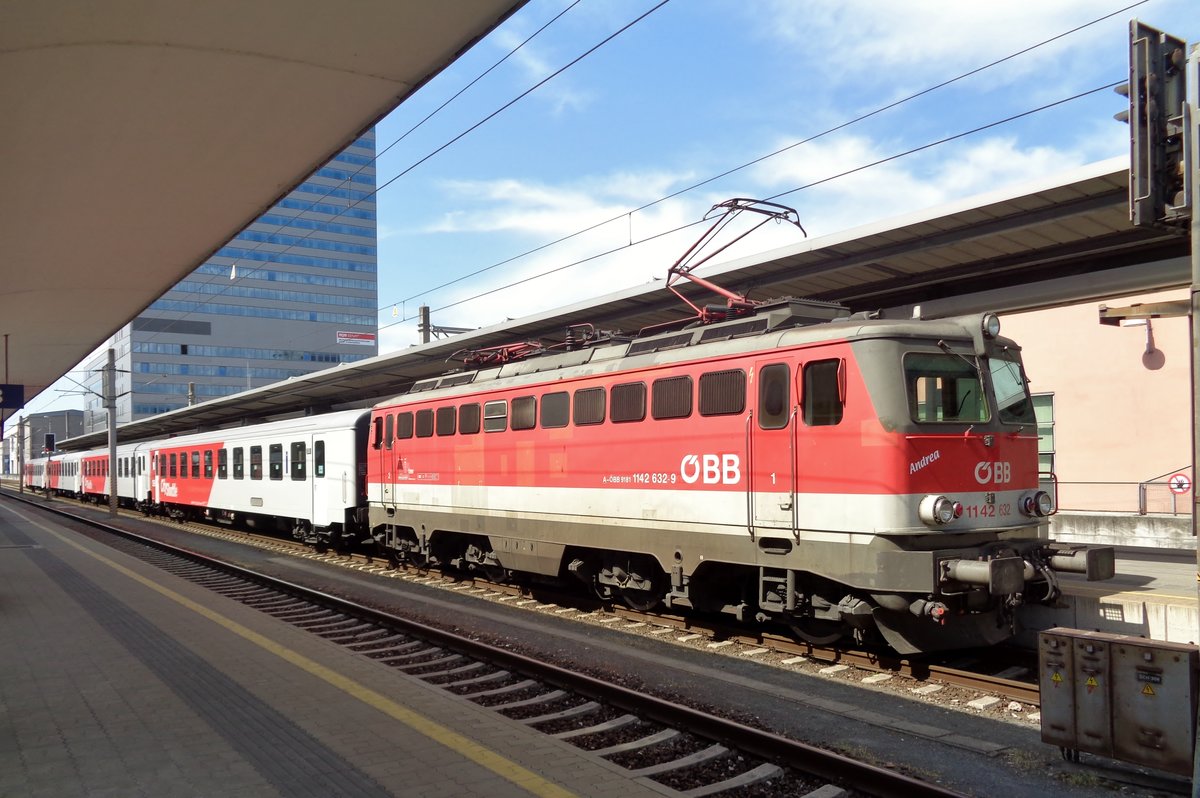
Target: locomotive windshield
[
  {"x": 1012, "y": 392},
  {"x": 943, "y": 388},
  {"x": 946, "y": 388}
]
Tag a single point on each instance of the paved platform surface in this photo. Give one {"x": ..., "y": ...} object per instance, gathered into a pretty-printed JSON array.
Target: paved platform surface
[
  {"x": 117, "y": 679},
  {"x": 1154, "y": 595}
]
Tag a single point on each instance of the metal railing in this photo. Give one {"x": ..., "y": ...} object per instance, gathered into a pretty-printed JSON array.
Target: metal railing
[{"x": 1162, "y": 495}]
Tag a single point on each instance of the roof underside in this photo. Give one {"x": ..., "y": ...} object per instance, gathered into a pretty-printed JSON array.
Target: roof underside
[
  {"x": 1066, "y": 240},
  {"x": 140, "y": 136}
]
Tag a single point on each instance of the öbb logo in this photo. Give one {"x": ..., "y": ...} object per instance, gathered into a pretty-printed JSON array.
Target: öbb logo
[
  {"x": 711, "y": 469},
  {"x": 997, "y": 473}
]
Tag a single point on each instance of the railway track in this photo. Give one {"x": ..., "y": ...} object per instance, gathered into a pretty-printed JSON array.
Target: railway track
[
  {"x": 691, "y": 752},
  {"x": 1010, "y": 677}
]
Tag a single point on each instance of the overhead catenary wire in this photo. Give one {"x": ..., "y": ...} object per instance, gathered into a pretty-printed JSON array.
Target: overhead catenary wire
[
  {"x": 761, "y": 158},
  {"x": 812, "y": 184}
]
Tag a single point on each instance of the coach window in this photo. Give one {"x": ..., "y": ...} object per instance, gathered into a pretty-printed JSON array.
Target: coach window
[
  {"x": 183, "y": 465},
  {"x": 239, "y": 463},
  {"x": 377, "y": 432},
  {"x": 389, "y": 431},
  {"x": 404, "y": 426},
  {"x": 222, "y": 464},
  {"x": 468, "y": 419},
  {"x": 255, "y": 462},
  {"x": 425, "y": 423},
  {"x": 774, "y": 396},
  {"x": 173, "y": 464},
  {"x": 162, "y": 465},
  {"x": 823, "y": 393},
  {"x": 319, "y": 458},
  {"x": 297, "y": 465},
  {"x": 722, "y": 393},
  {"x": 275, "y": 453},
  {"x": 628, "y": 402},
  {"x": 195, "y": 465},
  {"x": 208, "y": 463},
  {"x": 495, "y": 416},
  {"x": 671, "y": 397},
  {"x": 588, "y": 406},
  {"x": 446, "y": 418}
]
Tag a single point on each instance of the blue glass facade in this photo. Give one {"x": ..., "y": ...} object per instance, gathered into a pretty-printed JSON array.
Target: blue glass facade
[{"x": 270, "y": 304}]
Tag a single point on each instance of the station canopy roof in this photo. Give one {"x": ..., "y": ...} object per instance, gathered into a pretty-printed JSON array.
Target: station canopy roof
[
  {"x": 1064, "y": 239},
  {"x": 139, "y": 136}
]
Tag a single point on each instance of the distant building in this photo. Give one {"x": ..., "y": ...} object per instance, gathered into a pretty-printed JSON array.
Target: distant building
[
  {"x": 295, "y": 292},
  {"x": 1114, "y": 419},
  {"x": 31, "y": 435}
]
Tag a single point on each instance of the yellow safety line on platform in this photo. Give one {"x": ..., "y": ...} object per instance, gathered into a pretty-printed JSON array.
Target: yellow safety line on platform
[{"x": 505, "y": 768}]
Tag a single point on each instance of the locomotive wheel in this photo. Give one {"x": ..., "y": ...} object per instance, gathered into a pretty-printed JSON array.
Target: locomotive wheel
[
  {"x": 815, "y": 631},
  {"x": 644, "y": 599},
  {"x": 641, "y": 600}
]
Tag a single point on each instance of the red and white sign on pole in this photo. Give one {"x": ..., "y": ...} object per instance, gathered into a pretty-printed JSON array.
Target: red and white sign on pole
[
  {"x": 1179, "y": 483},
  {"x": 356, "y": 338}
]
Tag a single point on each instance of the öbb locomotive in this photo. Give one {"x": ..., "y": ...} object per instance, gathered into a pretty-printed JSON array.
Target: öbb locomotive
[
  {"x": 839, "y": 474},
  {"x": 795, "y": 464}
]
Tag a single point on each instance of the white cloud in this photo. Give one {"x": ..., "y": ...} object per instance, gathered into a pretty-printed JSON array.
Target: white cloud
[
  {"x": 904, "y": 185},
  {"x": 559, "y": 92},
  {"x": 846, "y": 39}
]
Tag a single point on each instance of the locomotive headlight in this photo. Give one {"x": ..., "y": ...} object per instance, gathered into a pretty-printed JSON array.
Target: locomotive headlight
[
  {"x": 1039, "y": 503},
  {"x": 990, "y": 325},
  {"x": 938, "y": 510}
]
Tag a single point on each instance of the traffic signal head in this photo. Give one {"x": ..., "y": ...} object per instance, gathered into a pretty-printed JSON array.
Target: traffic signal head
[{"x": 1156, "y": 92}]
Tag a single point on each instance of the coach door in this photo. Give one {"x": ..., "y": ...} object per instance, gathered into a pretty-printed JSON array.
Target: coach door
[{"x": 771, "y": 482}]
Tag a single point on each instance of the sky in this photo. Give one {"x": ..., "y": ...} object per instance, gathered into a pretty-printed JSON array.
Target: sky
[
  {"x": 697, "y": 88},
  {"x": 510, "y": 201}
]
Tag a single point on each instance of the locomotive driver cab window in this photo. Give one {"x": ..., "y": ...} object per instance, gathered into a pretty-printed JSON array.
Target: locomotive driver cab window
[{"x": 944, "y": 388}]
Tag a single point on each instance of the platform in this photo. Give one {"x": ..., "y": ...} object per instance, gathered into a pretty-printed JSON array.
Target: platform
[
  {"x": 117, "y": 679},
  {"x": 1153, "y": 595}
]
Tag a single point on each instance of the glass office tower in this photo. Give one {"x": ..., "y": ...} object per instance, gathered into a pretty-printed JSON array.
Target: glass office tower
[{"x": 295, "y": 292}]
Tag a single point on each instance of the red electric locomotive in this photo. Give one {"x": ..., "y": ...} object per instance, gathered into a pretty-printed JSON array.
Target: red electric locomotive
[{"x": 792, "y": 463}]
